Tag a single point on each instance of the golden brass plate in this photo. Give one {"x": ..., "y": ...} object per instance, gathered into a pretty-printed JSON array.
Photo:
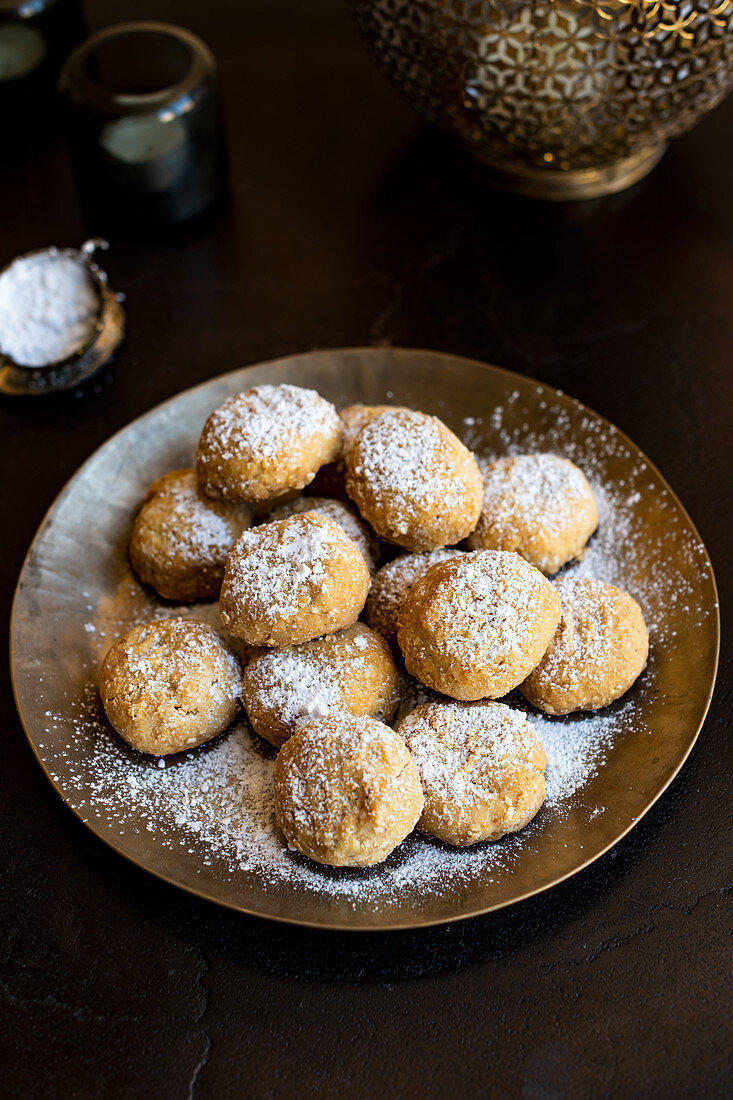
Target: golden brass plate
[{"x": 76, "y": 592}]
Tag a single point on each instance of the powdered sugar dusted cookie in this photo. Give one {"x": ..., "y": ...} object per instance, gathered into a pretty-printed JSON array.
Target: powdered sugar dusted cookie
[
  {"x": 391, "y": 585},
  {"x": 474, "y": 627},
  {"x": 539, "y": 505},
  {"x": 351, "y": 670},
  {"x": 181, "y": 538},
  {"x": 293, "y": 580},
  {"x": 599, "y": 649},
  {"x": 344, "y": 514},
  {"x": 481, "y": 768},
  {"x": 265, "y": 441},
  {"x": 347, "y": 791},
  {"x": 170, "y": 685},
  {"x": 413, "y": 480}
]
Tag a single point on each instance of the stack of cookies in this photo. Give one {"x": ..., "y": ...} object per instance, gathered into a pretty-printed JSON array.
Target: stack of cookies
[{"x": 463, "y": 606}]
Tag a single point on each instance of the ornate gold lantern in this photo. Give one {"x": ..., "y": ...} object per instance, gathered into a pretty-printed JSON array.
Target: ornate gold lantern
[{"x": 559, "y": 99}]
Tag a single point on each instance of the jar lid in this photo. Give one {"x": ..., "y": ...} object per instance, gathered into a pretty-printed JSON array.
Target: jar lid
[{"x": 102, "y": 73}]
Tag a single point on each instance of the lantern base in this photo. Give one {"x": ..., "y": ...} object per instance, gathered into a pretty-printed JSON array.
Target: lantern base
[{"x": 572, "y": 185}]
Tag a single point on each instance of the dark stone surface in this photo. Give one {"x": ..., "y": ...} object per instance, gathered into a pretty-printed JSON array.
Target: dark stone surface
[{"x": 351, "y": 223}]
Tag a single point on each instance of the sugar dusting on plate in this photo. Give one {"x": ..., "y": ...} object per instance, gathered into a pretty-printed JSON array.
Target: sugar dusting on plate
[{"x": 215, "y": 804}]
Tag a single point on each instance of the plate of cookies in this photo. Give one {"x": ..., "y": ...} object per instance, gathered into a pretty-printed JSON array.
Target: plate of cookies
[{"x": 365, "y": 639}]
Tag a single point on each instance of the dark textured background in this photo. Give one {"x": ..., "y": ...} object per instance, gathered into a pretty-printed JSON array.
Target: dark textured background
[{"x": 352, "y": 223}]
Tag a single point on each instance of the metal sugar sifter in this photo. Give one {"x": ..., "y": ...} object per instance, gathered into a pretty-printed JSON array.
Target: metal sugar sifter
[{"x": 99, "y": 336}]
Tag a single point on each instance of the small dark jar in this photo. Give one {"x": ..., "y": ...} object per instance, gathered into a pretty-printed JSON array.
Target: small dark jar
[{"x": 144, "y": 125}]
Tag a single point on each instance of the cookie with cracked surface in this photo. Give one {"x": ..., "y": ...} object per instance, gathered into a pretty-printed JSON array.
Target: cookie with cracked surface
[
  {"x": 350, "y": 671},
  {"x": 539, "y": 505},
  {"x": 413, "y": 480},
  {"x": 347, "y": 791},
  {"x": 265, "y": 441},
  {"x": 474, "y": 627},
  {"x": 599, "y": 649},
  {"x": 181, "y": 538},
  {"x": 481, "y": 768},
  {"x": 293, "y": 580},
  {"x": 170, "y": 685}
]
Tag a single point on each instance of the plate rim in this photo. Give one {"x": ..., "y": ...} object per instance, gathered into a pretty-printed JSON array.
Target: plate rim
[{"x": 340, "y": 926}]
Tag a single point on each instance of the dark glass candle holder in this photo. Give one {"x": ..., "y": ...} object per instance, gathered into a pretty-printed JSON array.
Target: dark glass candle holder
[
  {"x": 144, "y": 125},
  {"x": 35, "y": 38}
]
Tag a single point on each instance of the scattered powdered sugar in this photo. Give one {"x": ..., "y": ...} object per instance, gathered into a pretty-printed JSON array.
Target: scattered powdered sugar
[
  {"x": 216, "y": 803},
  {"x": 48, "y": 308},
  {"x": 577, "y": 746}
]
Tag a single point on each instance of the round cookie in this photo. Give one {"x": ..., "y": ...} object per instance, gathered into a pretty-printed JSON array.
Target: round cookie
[
  {"x": 170, "y": 685},
  {"x": 481, "y": 767},
  {"x": 599, "y": 649},
  {"x": 265, "y": 441},
  {"x": 539, "y": 505},
  {"x": 344, "y": 514},
  {"x": 347, "y": 791},
  {"x": 391, "y": 585},
  {"x": 293, "y": 580},
  {"x": 181, "y": 538},
  {"x": 351, "y": 670},
  {"x": 474, "y": 627},
  {"x": 413, "y": 480}
]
